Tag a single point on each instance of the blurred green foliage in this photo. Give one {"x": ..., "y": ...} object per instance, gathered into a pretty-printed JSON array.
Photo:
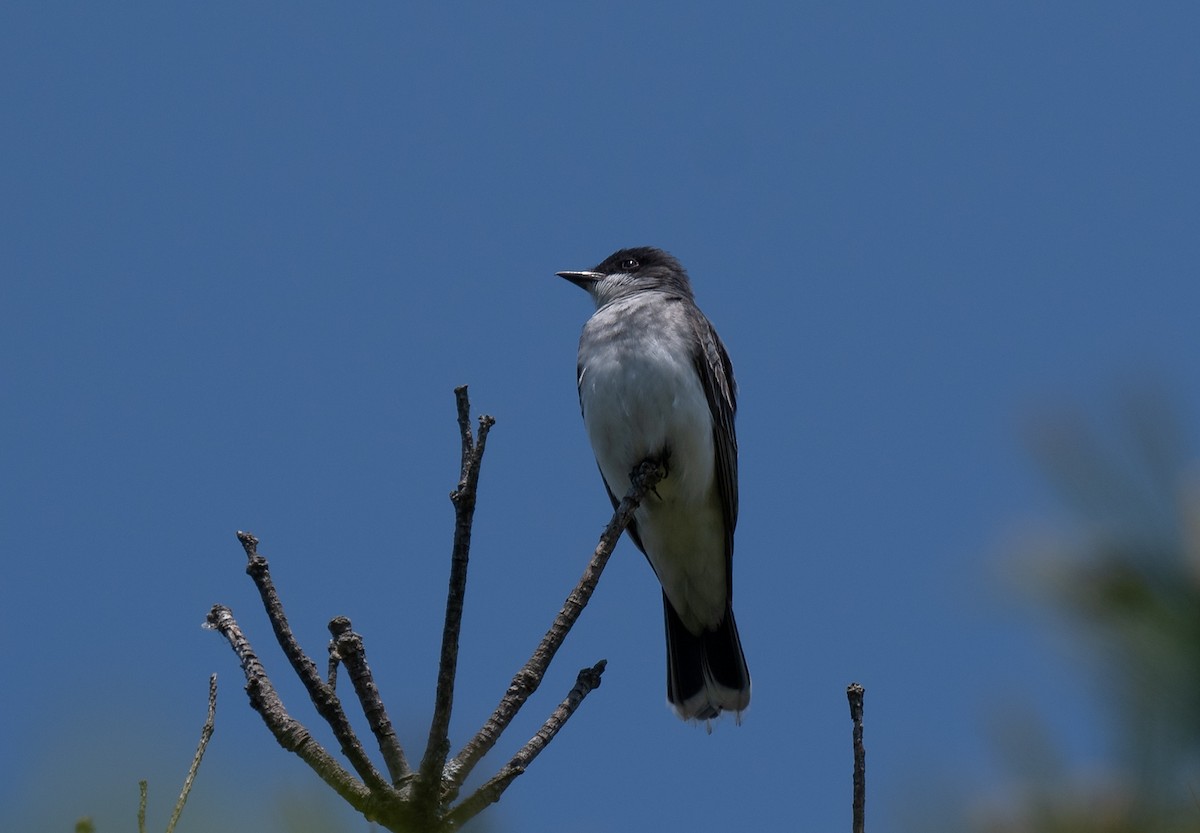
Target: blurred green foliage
[{"x": 1126, "y": 575}]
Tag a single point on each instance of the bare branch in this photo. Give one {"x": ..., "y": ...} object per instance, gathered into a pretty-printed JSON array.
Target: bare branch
[
  {"x": 334, "y": 660},
  {"x": 350, "y": 650},
  {"x": 290, "y": 734},
  {"x": 143, "y": 796},
  {"x": 419, "y": 801},
  {"x": 854, "y": 693},
  {"x": 322, "y": 695},
  {"x": 438, "y": 745},
  {"x": 205, "y": 735},
  {"x": 525, "y": 682},
  {"x": 490, "y": 792}
]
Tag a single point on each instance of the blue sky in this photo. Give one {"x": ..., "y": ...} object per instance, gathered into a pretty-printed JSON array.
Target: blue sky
[{"x": 246, "y": 255}]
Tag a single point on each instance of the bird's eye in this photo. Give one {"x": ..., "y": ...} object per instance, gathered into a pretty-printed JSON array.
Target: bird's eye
[{"x": 629, "y": 264}]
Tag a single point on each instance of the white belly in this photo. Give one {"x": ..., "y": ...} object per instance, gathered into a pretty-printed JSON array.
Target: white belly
[{"x": 647, "y": 402}]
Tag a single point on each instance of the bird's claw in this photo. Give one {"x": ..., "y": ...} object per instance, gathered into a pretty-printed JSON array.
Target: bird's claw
[{"x": 651, "y": 467}]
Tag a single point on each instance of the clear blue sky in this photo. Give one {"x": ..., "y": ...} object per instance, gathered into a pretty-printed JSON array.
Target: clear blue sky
[{"x": 246, "y": 255}]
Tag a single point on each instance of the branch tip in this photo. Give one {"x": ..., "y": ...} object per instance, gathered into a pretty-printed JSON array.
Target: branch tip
[{"x": 249, "y": 542}]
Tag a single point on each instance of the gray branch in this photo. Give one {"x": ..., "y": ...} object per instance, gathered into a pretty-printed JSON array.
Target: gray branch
[
  {"x": 421, "y": 801},
  {"x": 347, "y": 646},
  {"x": 854, "y": 693},
  {"x": 526, "y": 681}
]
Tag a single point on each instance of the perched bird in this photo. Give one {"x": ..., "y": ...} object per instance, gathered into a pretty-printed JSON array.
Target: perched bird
[{"x": 655, "y": 383}]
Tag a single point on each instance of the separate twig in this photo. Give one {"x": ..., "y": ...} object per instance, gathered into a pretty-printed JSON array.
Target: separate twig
[
  {"x": 322, "y": 695},
  {"x": 143, "y": 796},
  {"x": 205, "y": 735},
  {"x": 525, "y": 682},
  {"x": 490, "y": 792},
  {"x": 206, "y": 732},
  {"x": 437, "y": 748},
  {"x": 854, "y": 693},
  {"x": 348, "y": 647}
]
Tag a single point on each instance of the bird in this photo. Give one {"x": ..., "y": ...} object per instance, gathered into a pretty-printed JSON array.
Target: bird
[{"x": 655, "y": 383}]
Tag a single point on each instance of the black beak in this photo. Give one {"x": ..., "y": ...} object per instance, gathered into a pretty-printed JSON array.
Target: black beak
[{"x": 583, "y": 280}]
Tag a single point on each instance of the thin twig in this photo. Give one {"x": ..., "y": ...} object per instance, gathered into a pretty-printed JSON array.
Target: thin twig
[
  {"x": 526, "y": 681},
  {"x": 289, "y": 733},
  {"x": 143, "y": 797},
  {"x": 854, "y": 693},
  {"x": 438, "y": 746},
  {"x": 490, "y": 792},
  {"x": 205, "y": 735},
  {"x": 323, "y": 697},
  {"x": 349, "y": 648},
  {"x": 334, "y": 659}
]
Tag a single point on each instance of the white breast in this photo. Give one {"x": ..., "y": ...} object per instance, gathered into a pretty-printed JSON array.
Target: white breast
[{"x": 641, "y": 397}]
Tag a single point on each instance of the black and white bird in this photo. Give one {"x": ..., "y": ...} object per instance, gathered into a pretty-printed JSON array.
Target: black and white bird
[{"x": 655, "y": 383}]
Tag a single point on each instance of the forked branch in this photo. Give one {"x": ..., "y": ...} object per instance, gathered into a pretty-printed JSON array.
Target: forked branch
[{"x": 405, "y": 800}]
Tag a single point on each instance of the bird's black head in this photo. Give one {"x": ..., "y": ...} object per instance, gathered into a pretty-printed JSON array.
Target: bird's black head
[
  {"x": 629, "y": 271},
  {"x": 639, "y": 260}
]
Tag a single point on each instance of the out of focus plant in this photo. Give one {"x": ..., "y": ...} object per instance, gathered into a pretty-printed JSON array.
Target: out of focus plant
[{"x": 1127, "y": 576}]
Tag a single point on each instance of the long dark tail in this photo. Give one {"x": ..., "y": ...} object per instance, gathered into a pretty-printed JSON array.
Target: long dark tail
[{"x": 706, "y": 673}]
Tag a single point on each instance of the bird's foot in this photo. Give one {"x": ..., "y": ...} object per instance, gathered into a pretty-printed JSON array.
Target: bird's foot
[{"x": 650, "y": 471}]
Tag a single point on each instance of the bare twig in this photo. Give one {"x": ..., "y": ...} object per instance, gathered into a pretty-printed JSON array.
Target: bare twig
[
  {"x": 438, "y": 745},
  {"x": 323, "y": 697},
  {"x": 205, "y": 735},
  {"x": 490, "y": 792},
  {"x": 854, "y": 693},
  {"x": 526, "y": 681},
  {"x": 334, "y": 660},
  {"x": 143, "y": 797},
  {"x": 349, "y": 648},
  {"x": 290, "y": 734}
]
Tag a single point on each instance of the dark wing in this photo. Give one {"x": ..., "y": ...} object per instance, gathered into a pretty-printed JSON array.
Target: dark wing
[{"x": 716, "y": 376}]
